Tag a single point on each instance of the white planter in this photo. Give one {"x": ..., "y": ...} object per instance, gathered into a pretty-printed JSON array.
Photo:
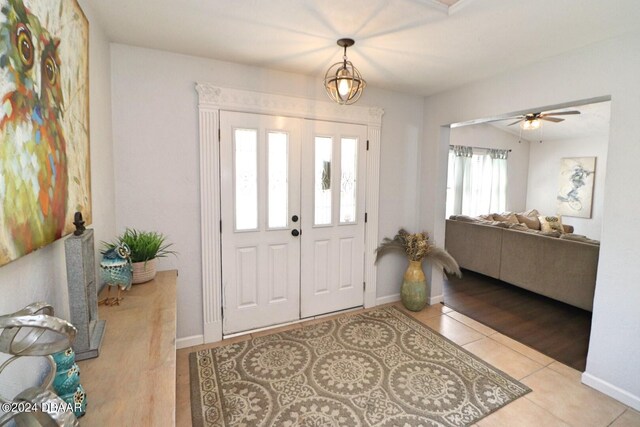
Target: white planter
[{"x": 144, "y": 271}]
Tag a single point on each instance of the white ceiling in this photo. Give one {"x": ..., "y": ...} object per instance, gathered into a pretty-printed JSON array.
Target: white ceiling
[
  {"x": 417, "y": 46},
  {"x": 593, "y": 121}
]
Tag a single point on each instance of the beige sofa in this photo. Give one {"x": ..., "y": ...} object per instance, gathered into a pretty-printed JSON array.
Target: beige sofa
[{"x": 564, "y": 270}]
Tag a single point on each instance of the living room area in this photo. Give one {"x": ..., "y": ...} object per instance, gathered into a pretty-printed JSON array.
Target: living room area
[
  {"x": 187, "y": 104},
  {"x": 505, "y": 179}
]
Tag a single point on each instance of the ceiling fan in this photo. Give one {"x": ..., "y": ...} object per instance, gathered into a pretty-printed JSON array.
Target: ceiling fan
[{"x": 533, "y": 120}]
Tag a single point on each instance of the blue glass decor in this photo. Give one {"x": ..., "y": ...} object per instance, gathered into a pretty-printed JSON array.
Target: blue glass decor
[
  {"x": 64, "y": 359},
  {"x": 78, "y": 400},
  {"x": 66, "y": 382}
]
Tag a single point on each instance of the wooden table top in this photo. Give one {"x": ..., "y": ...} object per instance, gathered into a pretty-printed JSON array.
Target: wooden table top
[{"x": 133, "y": 381}]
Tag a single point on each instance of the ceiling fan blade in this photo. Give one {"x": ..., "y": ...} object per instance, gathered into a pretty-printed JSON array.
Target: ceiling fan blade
[
  {"x": 502, "y": 119},
  {"x": 551, "y": 119},
  {"x": 516, "y": 122},
  {"x": 562, "y": 113}
]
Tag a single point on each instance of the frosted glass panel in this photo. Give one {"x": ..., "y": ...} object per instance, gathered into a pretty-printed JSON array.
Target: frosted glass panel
[
  {"x": 348, "y": 166},
  {"x": 278, "y": 176},
  {"x": 246, "y": 178},
  {"x": 322, "y": 187}
]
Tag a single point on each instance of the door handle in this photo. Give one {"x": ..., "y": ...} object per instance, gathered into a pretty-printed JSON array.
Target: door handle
[
  {"x": 295, "y": 233},
  {"x": 294, "y": 218}
]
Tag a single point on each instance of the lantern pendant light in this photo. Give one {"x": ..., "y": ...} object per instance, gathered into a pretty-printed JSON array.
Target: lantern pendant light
[{"x": 343, "y": 81}]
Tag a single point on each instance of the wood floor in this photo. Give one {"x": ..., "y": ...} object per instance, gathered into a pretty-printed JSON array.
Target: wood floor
[{"x": 556, "y": 329}]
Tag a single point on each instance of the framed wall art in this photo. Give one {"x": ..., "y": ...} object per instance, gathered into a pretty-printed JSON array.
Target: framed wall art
[
  {"x": 575, "y": 193},
  {"x": 44, "y": 123}
]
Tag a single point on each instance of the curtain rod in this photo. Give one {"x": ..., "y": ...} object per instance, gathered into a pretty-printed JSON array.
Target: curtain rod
[{"x": 482, "y": 148}]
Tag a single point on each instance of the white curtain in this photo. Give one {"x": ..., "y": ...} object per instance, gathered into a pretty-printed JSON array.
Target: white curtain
[
  {"x": 477, "y": 182},
  {"x": 498, "y": 180},
  {"x": 459, "y": 167}
]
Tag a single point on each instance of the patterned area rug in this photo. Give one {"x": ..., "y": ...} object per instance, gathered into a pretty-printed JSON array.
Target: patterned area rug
[{"x": 375, "y": 368}]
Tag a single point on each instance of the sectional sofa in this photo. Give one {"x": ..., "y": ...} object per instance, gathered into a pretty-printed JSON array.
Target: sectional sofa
[{"x": 558, "y": 268}]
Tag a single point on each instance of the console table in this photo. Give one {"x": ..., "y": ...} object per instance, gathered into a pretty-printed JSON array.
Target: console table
[{"x": 133, "y": 381}]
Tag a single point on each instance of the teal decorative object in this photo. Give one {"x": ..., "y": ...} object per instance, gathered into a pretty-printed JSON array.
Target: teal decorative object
[
  {"x": 64, "y": 359},
  {"x": 67, "y": 381},
  {"x": 115, "y": 269},
  {"x": 78, "y": 401}
]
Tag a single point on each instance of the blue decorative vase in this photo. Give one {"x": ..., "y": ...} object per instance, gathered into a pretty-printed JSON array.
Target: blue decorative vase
[
  {"x": 64, "y": 359},
  {"x": 67, "y": 381},
  {"x": 78, "y": 401}
]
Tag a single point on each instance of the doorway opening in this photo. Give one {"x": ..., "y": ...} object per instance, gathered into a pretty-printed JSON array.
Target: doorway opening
[{"x": 529, "y": 251}]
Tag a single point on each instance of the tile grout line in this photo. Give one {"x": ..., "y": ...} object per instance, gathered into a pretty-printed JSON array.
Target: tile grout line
[
  {"x": 482, "y": 336},
  {"x": 532, "y": 373},
  {"x": 616, "y": 418},
  {"x": 521, "y": 353},
  {"x": 560, "y": 372},
  {"x": 551, "y": 413},
  {"x": 469, "y": 326}
]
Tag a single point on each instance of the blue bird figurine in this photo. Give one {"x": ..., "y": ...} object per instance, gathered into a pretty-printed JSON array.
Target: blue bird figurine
[{"x": 116, "y": 270}]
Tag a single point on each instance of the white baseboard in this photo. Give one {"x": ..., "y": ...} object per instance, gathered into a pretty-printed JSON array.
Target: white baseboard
[
  {"x": 611, "y": 390},
  {"x": 189, "y": 341},
  {"x": 436, "y": 300},
  {"x": 388, "y": 299}
]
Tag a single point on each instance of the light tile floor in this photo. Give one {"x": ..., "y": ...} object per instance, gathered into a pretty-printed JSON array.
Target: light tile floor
[{"x": 558, "y": 397}]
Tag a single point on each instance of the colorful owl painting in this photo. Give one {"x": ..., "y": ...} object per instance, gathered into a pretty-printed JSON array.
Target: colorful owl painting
[{"x": 44, "y": 129}]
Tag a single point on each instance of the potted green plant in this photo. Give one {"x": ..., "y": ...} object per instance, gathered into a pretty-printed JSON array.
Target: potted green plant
[
  {"x": 417, "y": 248},
  {"x": 146, "y": 247}
]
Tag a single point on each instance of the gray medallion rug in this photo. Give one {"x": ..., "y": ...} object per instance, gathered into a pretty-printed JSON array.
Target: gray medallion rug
[{"x": 375, "y": 368}]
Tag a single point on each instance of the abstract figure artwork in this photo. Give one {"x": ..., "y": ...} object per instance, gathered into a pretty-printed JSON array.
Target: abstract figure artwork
[
  {"x": 44, "y": 123},
  {"x": 576, "y": 186}
]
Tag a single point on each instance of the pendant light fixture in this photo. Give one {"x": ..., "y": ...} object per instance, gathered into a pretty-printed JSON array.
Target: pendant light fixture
[{"x": 343, "y": 81}]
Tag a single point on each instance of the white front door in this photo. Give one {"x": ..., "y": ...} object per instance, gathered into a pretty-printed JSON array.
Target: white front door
[
  {"x": 332, "y": 202},
  {"x": 260, "y": 188},
  {"x": 292, "y": 209}
]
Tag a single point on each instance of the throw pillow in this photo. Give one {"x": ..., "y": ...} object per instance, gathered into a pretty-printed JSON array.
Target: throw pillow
[
  {"x": 506, "y": 217},
  {"x": 464, "y": 218},
  {"x": 551, "y": 223},
  {"x": 530, "y": 212},
  {"x": 486, "y": 217},
  {"x": 520, "y": 227},
  {"x": 531, "y": 222}
]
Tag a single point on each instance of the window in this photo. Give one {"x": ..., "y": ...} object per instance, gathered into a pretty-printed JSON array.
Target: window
[{"x": 476, "y": 181}]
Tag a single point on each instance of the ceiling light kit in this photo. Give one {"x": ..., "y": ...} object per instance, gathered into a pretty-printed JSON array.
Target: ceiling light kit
[
  {"x": 530, "y": 124},
  {"x": 532, "y": 121},
  {"x": 343, "y": 82}
]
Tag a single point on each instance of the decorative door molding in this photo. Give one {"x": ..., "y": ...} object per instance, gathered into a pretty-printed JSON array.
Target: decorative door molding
[{"x": 212, "y": 99}]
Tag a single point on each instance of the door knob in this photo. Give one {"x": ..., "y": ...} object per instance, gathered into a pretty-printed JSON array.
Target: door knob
[
  {"x": 294, "y": 218},
  {"x": 295, "y": 233}
]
